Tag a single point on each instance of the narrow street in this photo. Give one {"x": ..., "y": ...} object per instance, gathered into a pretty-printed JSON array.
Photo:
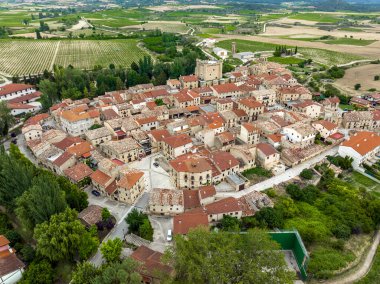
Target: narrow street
[
  {"x": 155, "y": 177},
  {"x": 287, "y": 175}
]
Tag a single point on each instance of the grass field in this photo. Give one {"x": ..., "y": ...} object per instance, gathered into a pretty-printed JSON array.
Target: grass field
[
  {"x": 357, "y": 30},
  {"x": 326, "y": 57},
  {"x": 271, "y": 17},
  {"x": 285, "y": 60},
  {"x": 350, "y": 41},
  {"x": 316, "y": 17},
  {"x": 16, "y": 59},
  {"x": 344, "y": 41},
  {"x": 117, "y": 18},
  {"x": 362, "y": 181},
  {"x": 13, "y": 18},
  {"x": 247, "y": 45}
]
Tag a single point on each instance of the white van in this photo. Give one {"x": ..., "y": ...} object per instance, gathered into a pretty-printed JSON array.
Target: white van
[{"x": 169, "y": 237}]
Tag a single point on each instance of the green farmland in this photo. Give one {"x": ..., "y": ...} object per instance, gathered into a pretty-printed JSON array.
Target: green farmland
[
  {"x": 16, "y": 59},
  {"x": 322, "y": 56}
]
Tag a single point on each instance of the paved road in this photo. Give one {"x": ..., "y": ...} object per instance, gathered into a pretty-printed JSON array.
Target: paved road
[
  {"x": 364, "y": 268},
  {"x": 287, "y": 175},
  {"x": 154, "y": 177},
  {"x": 120, "y": 229}
]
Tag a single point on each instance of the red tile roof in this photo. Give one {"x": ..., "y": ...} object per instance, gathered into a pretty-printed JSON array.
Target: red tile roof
[
  {"x": 129, "y": 179},
  {"x": 100, "y": 177},
  {"x": 160, "y": 134},
  {"x": 26, "y": 97},
  {"x": 177, "y": 140},
  {"x": 226, "y": 205},
  {"x": 78, "y": 172},
  {"x": 191, "y": 163},
  {"x": 11, "y": 88},
  {"x": 226, "y": 88},
  {"x": 363, "y": 142},
  {"x": 224, "y": 160},
  {"x": 266, "y": 149},
  {"x": 250, "y": 103},
  {"x": 37, "y": 118},
  {"x": 151, "y": 262},
  {"x": 326, "y": 124},
  {"x": 183, "y": 223},
  {"x": 207, "y": 191},
  {"x": 62, "y": 159},
  {"x": 189, "y": 78},
  {"x": 191, "y": 199}
]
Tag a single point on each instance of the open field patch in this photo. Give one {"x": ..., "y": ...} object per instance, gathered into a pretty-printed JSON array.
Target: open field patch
[
  {"x": 16, "y": 59},
  {"x": 322, "y": 56},
  {"x": 364, "y": 75},
  {"x": 117, "y": 18},
  {"x": 165, "y": 26},
  {"x": 316, "y": 17}
]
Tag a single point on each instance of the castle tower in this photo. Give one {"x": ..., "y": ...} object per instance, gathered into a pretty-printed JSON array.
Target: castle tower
[{"x": 233, "y": 48}]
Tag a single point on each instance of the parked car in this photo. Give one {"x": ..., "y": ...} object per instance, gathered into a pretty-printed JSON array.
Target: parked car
[
  {"x": 95, "y": 192},
  {"x": 156, "y": 164},
  {"x": 169, "y": 237}
]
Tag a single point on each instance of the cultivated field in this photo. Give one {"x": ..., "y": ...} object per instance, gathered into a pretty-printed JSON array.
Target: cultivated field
[
  {"x": 371, "y": 51},
  {"x": 322, "y": 56},
  {"x": 363, "y": 75},
  {"x": 23, "y": 57},
  {"x": 165, "y": 26}
]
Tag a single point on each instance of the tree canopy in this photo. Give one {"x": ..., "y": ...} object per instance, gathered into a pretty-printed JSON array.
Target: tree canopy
[
  {"x": 64, "y": 237},
  {"x": 223, "y": 257}
]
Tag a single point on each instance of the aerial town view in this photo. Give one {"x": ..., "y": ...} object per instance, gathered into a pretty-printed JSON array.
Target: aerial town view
[{"x": 189, "y": 141}]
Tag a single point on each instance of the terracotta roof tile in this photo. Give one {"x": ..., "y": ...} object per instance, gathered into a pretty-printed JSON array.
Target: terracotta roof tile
[
  {"x": 78, "y": 172},
  {"x": 183, "y": 223}
]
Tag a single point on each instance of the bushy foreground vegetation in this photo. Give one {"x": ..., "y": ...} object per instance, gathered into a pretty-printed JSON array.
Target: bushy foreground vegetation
[
  {"x": 327, "y": 216},
  {"x": 44, "y": 207}
]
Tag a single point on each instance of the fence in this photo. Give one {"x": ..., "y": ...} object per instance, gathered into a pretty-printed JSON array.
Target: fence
[{"x": 291, "y": 240}]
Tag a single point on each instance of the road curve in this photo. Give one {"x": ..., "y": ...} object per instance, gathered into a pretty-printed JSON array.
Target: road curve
[{"x": 364, "y": 268}]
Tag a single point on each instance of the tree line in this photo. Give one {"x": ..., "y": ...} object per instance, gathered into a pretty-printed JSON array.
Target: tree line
[{"x": 45, "y": 208}]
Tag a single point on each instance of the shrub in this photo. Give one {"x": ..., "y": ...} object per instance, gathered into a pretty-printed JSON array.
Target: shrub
[
  {"x": 307, "y": 174},
  {"x": 357, "y": 86}
]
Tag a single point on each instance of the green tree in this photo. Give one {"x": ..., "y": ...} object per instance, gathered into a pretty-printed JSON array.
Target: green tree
[
  {"x": 49, "y": 90},
  {"x": 210, "y": 257},
  {"x": 357, "y": 86},
  {"x": 120, "y": 273},
  {"x": 106, "y": 214},
  {"x": 84, "y": 273},
  {"x": 146, "y": 230},
  {"x": 6, "y": 118},
  {"x": 15, "y": 178},
  {"x": 41, "y": 201},
  {"x": 134, "y": 220},
  {"x": 76, "y": 199},
  {"x": 89, "y": 243},
  {"x": 111, "y": 250},
  {"x": 306, "y": 174},
  {"x": 62, "y": 236},
  {"x": 230, "y": 223},
  {"x": 270, "y": 218},
  {"x": 38, "y": 272}
]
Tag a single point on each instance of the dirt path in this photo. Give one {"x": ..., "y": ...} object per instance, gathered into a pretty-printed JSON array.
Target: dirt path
[
  {"x": 371, "y": 51},
  {"x": 55, "y": 55},
  {"x": 363, "y": 269}
]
